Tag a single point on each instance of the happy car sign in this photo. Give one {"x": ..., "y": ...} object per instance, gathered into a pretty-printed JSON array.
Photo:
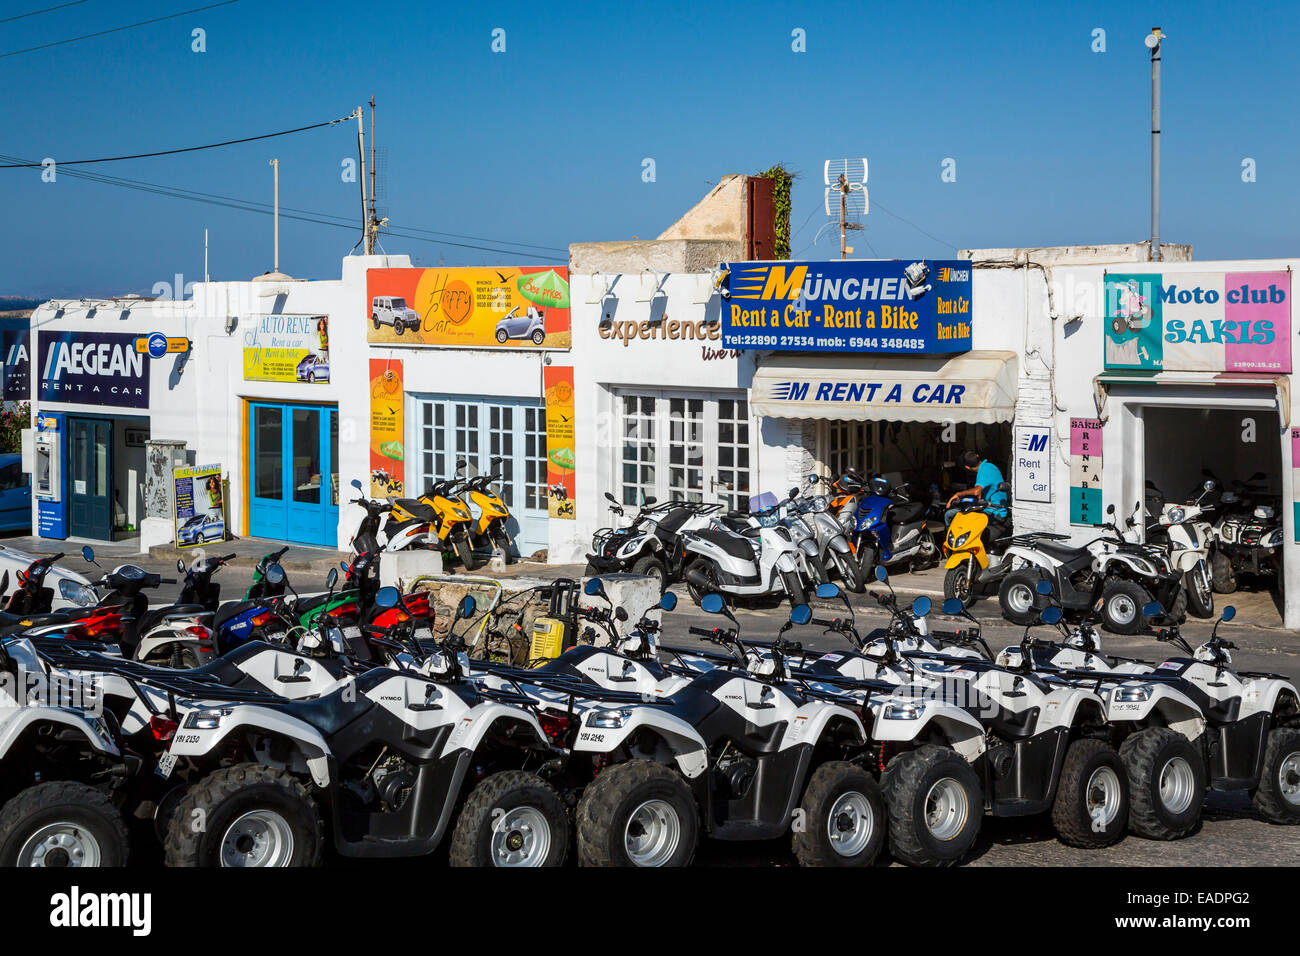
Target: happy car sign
[{"x": 1199, "y": 321}]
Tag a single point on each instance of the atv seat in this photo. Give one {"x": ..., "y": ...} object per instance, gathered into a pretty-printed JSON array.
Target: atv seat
[
  {"x": 333, "y": 712},
  {"x": 737, "y": 547},
  {"x": 1061, "y": 552}
]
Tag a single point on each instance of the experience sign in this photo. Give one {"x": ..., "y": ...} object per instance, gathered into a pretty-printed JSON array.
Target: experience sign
[{"x": 914, "y": 307}]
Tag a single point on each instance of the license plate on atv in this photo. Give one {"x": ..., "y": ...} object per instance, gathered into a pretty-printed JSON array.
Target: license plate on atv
[
  {"x": 352, "y": 632},
  {"x": 166, "y": 764}
]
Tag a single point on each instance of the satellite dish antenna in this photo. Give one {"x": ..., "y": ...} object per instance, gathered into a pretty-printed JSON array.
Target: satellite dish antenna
[{"x": 846, "y": 187}]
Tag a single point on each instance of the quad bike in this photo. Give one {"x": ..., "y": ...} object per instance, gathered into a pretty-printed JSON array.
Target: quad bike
[
  {"x": 1248, "y": 535},
  {"x": 652, "y": 544}
]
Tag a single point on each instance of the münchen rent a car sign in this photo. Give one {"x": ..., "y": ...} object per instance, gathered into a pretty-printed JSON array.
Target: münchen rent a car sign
[{"x": 920, "y": 307}]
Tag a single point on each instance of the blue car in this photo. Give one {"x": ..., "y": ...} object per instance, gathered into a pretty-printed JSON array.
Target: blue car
[
  {"x": 531, "y": 325},
  {"x": 314, "y": 368},
  {"x": 15, "y": 495},
  {"x": 200, "y": 529}
]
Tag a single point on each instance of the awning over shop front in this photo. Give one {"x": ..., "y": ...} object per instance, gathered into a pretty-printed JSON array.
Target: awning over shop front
[
  {"x": 973, "y": 387},
  {"x": 1279, "y": 384}
]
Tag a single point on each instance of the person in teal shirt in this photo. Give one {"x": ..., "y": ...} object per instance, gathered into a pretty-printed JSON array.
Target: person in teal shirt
[{"x": 987, "y": 479}]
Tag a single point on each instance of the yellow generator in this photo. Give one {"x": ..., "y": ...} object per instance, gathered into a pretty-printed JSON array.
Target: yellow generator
[{"x": 556, "y": 631}]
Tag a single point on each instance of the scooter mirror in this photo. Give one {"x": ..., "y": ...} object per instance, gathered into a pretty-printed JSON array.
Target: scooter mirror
[
  {"x": 332, "y": 578},
  {"x": 921, "y": 606},
  {"x": 711, "y": 604},
  {"x": 828, "y": 590},
  {"x": 1208, "y": 486},
  {"x": 651, "y": 500},
  {"x": 794, "y": 493},
  {"x": 274, "y": 574},
  {"x": 356, "y": 483},
  {"x": 953, "y": 606},
  {"x": 620, "y": 614},
  {"x": 180, "y": 565},
  {"x": 88, "y": 553},
  {"x": 610, "y": 497},
  {"x": 592, "y": 587},
  {"x": 1153, "y": 609},
  {"x": 1050, "y": 615},
  {"x": 1044, "y": 588},
  {"x": 466, "y": 607},
  {"x": 1110, "y": 509},
  {"x": 1229, "y": 613},
  {"x": 668, "y": 602},
  {"x": 800, "y": 614},
  {"x": 881, "y": 574},
  {"x": 386, "y": 597}
]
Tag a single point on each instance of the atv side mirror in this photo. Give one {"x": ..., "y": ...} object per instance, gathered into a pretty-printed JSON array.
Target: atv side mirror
[
  {"x": 650, "y": 501},
  {"x": 1044, "y": 587},
  {"x": 88, "y": 553},
  {"x": 592, "y": 587},
  {"x": 921, "y": 606},
  {"x": 800, "y": 614},
  {"x": 668, "y": 602},
  {"x": 610, "y": 497},
  {"x": 1229, "y": 612},
  {"x": 881, "y": 574},
  {"x": 343, "y": 565},
  {"x": 953, "y": 606},
  {"x": 386, "y": 597},
  {"x": 1153, "y": 609},
  {"x": 1110, "y": 509},
  {"x": 712, "y": 603},
  {"x": 828, "y": 590},
  {"x": 1050, "y": 615},
  {"x": 620, "y": 614},
  {"x": 466, "y": 608},
  {"x": 356, "y": 483},
  {"x": 274, "y": 574},
  {"x": 794, "y": 493},
  {"x": 332, "y": 578}
]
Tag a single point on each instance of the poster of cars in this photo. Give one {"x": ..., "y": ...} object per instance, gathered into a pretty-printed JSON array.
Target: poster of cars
[
  {"x": 560, "y": 460},
  {"x": 387, "y": 457},
  {"x": 1199, "y": 321},
  {"x": 200, "y": 506},
  {"x": 287, "y": 348},
  {"x": 522, "y": 307}
]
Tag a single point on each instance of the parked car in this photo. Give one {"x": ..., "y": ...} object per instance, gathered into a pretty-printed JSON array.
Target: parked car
[
  {"x": 314, "y": 368},
  {"x": 393, "y": 310},
  {"x": 201, "y": 528},
  {"x": 531, "y": 325},
  {"x": 15, "y": 495}
]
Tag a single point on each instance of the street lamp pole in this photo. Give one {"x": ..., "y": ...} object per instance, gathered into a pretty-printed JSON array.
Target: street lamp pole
[{"x": 1153, "y": 44}]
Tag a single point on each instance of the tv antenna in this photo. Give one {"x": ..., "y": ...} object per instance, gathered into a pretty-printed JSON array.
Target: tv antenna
[{"x": 846, "y": 180}]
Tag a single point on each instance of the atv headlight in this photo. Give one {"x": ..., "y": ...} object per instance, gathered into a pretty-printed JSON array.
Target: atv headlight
[
  {"x": 206, "y": 719},
  {"x": 77, "y": 593},
  {"x": 1273, "y": 539},
  {"x": 1132, "y": 695},
  {"x": 1229, "y": 533},
  {"x": 609, "y": 719},
  {"x": 909, "y": 710}
]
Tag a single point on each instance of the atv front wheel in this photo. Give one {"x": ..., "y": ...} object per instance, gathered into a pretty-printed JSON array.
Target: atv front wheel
[
  {"x": 1121, "y": 606},
  {"x": 62, "y": 824},
  {"x": 246, "y": 815},
  {"x": 652, "y": 567},
  {"x": 1092, "y": 796},
  {"x": 1017, "y": 597},
  {"x": 843, "y": 818},
  {"x": 935, "y": 806},
  {"x": 512, "y": 818},
  {"x": 1166, "y": 782},
  {"x": 1278, "y": 796},
  {"x": 638, "y": 813},
  {"x": 1223, "y": 576}
]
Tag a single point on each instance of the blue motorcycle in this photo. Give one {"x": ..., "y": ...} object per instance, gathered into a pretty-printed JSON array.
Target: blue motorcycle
[{"x": 890, "y": 530}]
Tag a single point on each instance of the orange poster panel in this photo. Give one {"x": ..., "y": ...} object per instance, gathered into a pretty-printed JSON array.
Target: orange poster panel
[
  {"x": 560, "y": 461},
  {"x": 387, "y": 458}
]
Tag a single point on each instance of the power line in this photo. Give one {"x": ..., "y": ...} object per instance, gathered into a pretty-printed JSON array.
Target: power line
[
  {"x": 101, "y": 33},
  {"x": 186, "y": 149},
  {"x": 875, "y": 204},
  {"x": 23, "y": 16}
]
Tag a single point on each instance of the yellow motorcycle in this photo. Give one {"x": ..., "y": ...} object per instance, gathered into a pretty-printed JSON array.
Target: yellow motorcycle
[
  {"x": 973, "y": 553},
  {"x": 490, "y": 526},
  {"x": 448, "y": 518}
]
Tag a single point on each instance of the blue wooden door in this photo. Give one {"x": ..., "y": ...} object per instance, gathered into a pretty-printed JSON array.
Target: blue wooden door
[{"x": 293, "y": 456}]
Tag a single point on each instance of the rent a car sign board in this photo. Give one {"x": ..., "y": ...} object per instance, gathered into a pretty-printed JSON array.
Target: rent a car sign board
[{"x": 918, "y": 307}]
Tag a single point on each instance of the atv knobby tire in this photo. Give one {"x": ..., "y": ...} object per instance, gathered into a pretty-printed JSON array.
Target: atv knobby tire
[
  {"x": 1277, "y": 799},
  {"x": 1166, "y": 783},
  {"x": 843, "y": 819},
  {"x": 610, "y": 802},
  {"x": 652, "y": 567},
  {"x": 1085, "y": 760},
  {"x": 935, "y": 806},
  {"x": 204, "y": 816},
  {"x": 94, "y": 832},
  {"x": 489, "y": 831}
]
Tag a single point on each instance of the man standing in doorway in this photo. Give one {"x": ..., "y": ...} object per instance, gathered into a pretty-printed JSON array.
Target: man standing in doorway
[{"x": 987, "y": 479}]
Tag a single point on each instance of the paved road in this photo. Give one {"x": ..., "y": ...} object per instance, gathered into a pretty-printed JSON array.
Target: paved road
[{"x": 1230, "y": 835}]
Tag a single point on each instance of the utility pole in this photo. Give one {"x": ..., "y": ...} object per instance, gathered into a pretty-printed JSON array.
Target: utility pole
[
  {"x": 205, "y": 255},
  {"x": 371, "y": 225},
  {"x": 1153, "y": 42},
  {"x": 361, "y": 152},
  {"x": 844, "y": 214},
  {"x": 276, "y": 164}
]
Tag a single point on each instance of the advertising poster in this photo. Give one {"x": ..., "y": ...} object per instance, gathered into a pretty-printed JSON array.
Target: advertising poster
[
  {"x": 200, "y": 506},
  {"x": 560, "y": 461},
  {"x": 920, "y": 307},
  {"x": 92, "y": 368},
  {"x": 387, "y": 458},
  {"x": 18, "y": 366},
  {"x": 1085, "y": 472},
  {"x": 287, "y": 348},
  {"x": 1033, "y": 465},
  {"x": 1199, "y": 321},
  {"x": 524, "y": 307}
]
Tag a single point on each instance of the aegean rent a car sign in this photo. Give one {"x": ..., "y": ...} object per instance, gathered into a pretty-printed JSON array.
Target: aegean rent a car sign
[{"x": 92, "y": 368}]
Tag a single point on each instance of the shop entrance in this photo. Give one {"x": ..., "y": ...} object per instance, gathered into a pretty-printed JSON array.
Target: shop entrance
[
  {"x": 294, "y": 452},
  {"x": 90, "y": 478}
]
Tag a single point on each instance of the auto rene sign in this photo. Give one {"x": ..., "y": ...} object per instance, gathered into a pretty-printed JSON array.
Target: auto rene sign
[{"x": 919, "y": 307}]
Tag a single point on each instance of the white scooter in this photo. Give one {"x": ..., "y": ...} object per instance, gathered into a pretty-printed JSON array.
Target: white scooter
[{"x": 1188, "y": 534}]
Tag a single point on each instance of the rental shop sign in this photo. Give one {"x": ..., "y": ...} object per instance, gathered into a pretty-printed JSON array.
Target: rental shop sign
[
  {"x": 848, "y": 306},
  {"x": 92, "y": 368},
  {"x": 1199, "y": 322}
]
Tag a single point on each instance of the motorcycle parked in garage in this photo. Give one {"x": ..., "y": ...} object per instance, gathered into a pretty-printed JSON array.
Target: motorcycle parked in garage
[
  {"x": 1248, "y": 536},
  {"x": 1185, "y": 532},
  {"x": 892, "y": 530}
]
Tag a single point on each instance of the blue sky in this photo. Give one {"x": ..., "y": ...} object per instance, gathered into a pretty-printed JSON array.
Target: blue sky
[{"x": 544, "y": 144}]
